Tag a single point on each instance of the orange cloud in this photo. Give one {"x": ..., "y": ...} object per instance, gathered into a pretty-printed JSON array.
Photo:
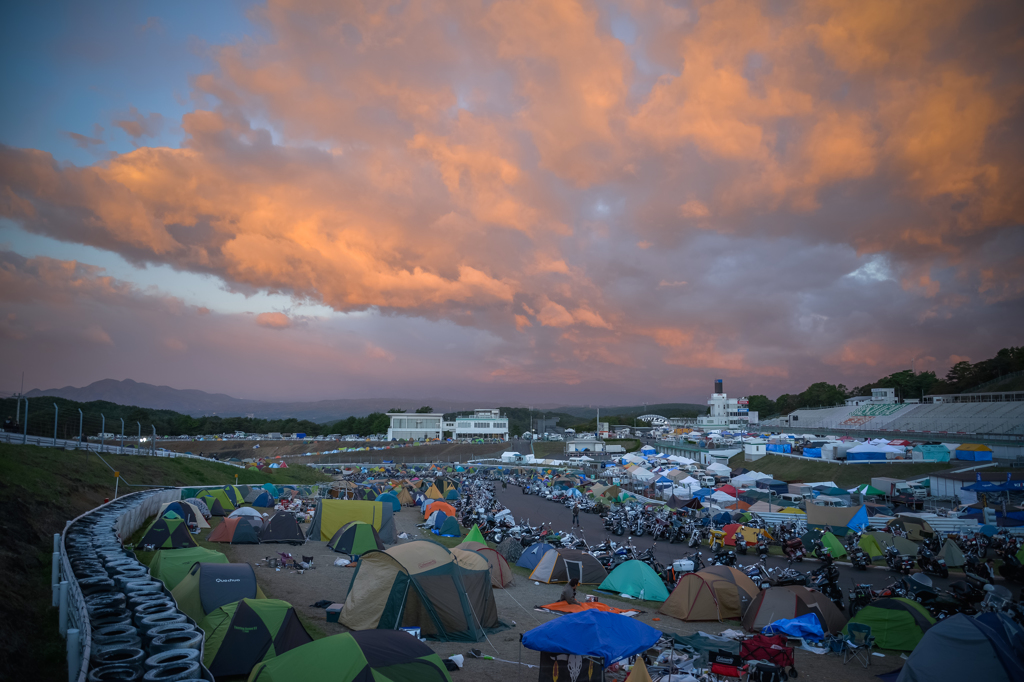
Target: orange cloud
[{"x": 273, "y": 320}]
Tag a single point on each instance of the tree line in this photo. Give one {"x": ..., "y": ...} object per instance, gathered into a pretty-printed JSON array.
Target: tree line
[{"x": 962, "y": 377}]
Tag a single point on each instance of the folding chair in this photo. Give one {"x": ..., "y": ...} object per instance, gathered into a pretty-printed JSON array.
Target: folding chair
[
  {"x": 858, "y": 643},
  {"x": 726, "y": 665}
]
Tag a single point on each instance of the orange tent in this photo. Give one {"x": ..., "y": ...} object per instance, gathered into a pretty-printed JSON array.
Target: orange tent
[{"x": 436, "y": 505}]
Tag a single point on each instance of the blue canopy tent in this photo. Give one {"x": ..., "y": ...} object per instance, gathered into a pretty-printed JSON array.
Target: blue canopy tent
[
  {"x": 532, "y": 554},
  {"x": 702, "y": 493},
  {"x": 607, "y": 636},
  {"x": 392, "y": 498}
]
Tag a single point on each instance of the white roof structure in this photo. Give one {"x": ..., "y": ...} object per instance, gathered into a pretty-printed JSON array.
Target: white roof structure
[
  {"x": 718, "y": 467},
  {"x": 723, "y": 497},
  {"x": 642, "y": 474}
]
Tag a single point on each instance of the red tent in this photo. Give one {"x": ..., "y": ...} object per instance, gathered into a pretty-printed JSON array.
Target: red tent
[{"x": 728, "y": 490}]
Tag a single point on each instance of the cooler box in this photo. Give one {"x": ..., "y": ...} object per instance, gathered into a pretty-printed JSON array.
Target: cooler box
[
  {"x": 333, "y": 611},
  {"x": 683, "y": 565}
]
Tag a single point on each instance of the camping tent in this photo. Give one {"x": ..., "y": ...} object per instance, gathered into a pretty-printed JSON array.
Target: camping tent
[
  {"x": 241, "y": 634},
  {"x": 379, "y": 655},
  {"x": 282, "y": 527},
  {"x": 199, "y": 506},
  {"x": 393, "y": 499},
  {"x": 171, "y": 565},
  {"x": 501, "y": 574},
  {"x": 253, "y": 517},
  {"x": 234, "y": 495},
  {"x": 871, "y": 547},
  {"x": 419, "y": 584},
  {"x": 167, "y": 532},
  {"x": 263, "y": 499},
  {"x": 333, "y": 514},
  {"x": 789, "y": 602},
  {"x": 207, "y": 587},
  {"x": 437, "y": 505},
  {"x": 917, "y": 529},
  {"x": 840, "y": 519},
  {"x": 903, "y": 545},
  {"x": 897, "y": 624},
  {"x": 404, "y": 497},
  {"x": 272, "y": 489},
  {"x": 562, "y": 565},
  {"x": 450, "y": 528},
  {"x": 219, "y": 495},
  {"x": 715, "y": 593},
  {"x": 835, "y": 548},
  {"x": 355, "y": 538},
  {"x": 605, "y": 636},
  {"x": 952, "y": 554},
  {"x": 962, "y": 648},
  {"x": 531, "y": 555},
  {"x": 635, "y": 578},
  {"x": 973, "y": 452},
  {"x": 474, "y": 535},
  {"x": 185, "y": 510},
  {"x": 236, "y": 531}
]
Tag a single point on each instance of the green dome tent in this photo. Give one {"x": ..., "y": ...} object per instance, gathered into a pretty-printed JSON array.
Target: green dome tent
[
  {"x": 207, "y": 587},
  {"x": 835, "y": 548},
  {"x": 871, "y": 547},
  {"x": 378, "y": 655},
  {"x": 244, "y": 633},
  {"x": 171, "y": 566},
  {"x": 355, "y": 538},
  {"x": 220, "y": 496},
  {"x": 634, "y": 577},
  {"x": 450, "y": 528},
  {"x": 897, "y": 624},
  {"x": 167, "y": 532}
]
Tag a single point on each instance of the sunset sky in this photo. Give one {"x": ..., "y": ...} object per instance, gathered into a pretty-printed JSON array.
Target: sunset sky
[{"x": 546, "y": 200}]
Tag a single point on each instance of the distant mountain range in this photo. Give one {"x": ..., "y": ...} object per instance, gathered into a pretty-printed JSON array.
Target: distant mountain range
[{"x": 200, "y": 403}]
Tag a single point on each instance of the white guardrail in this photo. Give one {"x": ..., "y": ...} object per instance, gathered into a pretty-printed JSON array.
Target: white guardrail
[{"x": 103, "y": 448}]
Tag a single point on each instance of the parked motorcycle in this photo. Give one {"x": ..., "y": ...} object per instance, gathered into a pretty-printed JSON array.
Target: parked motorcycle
[
  {"x": 898, "y": 562},
  {"x": 794, "y": 549},
  {"x": 931, "y": 564}
]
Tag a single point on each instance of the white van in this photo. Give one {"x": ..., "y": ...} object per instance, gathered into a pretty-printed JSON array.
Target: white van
[{"x": 792, "y": 499}]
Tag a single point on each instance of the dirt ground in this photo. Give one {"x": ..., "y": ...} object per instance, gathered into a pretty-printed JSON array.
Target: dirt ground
[{"x": 515, "y": 607}]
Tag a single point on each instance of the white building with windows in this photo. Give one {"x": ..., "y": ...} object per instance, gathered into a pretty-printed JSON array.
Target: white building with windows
[
  {"x": 485, "y": 423},
  {"x": 415, "y": 426},
  {"x": 726, "y": 413}
]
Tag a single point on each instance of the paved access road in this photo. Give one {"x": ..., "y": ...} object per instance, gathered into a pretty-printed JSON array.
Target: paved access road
[{"x": 538, "y": 510}]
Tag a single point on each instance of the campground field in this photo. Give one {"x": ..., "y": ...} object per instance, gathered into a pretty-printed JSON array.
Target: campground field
[{"x": 515, "y": 607}]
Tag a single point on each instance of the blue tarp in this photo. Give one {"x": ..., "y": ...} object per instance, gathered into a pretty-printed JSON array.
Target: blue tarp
[
  {"x": 702, "y": 493},
  {"x": 812, "y": 452},
  {"x": 805, "y": 626},
  {"x": 532, "y": 554},
  {"x": 779, "y": 447},
  {"x": 608, "y": 636}
]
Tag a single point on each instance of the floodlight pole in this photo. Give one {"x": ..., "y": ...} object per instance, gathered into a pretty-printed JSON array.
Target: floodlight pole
[
  {"x": 56, "y": 411},
  {"x": 139, "y": 443},
  {"x": 79, "y": 427},
  {"x": 153, "y": 449},
  {"x": 103, "y": 431},
  {"x": 24, "y": 431},
  {"x": 122, "y": 436}
]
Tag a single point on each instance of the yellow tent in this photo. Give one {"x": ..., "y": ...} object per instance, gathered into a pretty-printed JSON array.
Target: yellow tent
[{"x": 791, "y": 510}]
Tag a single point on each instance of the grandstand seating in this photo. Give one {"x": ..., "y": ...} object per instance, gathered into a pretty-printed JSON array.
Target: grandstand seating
[{"x": 974, "y": 418}]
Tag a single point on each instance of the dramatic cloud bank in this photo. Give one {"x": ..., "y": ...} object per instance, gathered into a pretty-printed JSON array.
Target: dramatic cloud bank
[{"x": 572, "y": 201}]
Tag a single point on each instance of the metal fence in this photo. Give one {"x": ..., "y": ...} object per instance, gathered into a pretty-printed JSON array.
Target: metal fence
[{"x": 103, "y": 448}]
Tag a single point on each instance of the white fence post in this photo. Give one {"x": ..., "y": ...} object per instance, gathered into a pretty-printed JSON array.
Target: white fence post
[
  {"x": 55, "y": 579},
  {"x": 63, "y": 619},
  {"x": 74, "y": 655}
]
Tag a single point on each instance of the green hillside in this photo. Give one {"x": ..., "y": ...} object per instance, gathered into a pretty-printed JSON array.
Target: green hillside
[{"x": 43, "y": 488}]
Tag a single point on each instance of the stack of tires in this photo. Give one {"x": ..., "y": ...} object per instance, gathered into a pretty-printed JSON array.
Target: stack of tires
[{"x": 138, "y": 634}]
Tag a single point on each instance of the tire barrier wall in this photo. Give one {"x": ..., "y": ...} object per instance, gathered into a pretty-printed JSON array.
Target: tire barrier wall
[{"x": 104, "y": 593}]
